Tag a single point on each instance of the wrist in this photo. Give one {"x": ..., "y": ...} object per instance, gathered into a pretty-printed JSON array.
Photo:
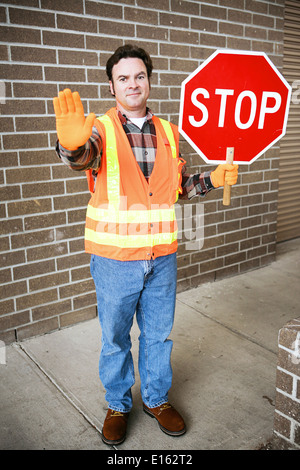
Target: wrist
[
  {"x": 70, "y": 150},
  {"x": 208, "y": 181},
  {"x": 214, "y": 180}
]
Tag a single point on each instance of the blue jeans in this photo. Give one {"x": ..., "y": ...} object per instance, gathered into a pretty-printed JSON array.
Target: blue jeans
[{"x": 149, "y": 289}]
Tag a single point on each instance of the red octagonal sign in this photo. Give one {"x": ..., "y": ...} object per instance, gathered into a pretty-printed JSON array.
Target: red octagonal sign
[{"x": 234, "y": 99}]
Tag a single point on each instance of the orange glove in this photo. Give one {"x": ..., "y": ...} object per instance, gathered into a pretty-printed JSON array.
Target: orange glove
[
  {"x": 73, "y": 129},
  {"x": 222, "y": 173}
]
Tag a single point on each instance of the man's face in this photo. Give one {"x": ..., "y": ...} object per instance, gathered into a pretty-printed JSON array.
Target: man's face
[{"x": 131, "y": 87}]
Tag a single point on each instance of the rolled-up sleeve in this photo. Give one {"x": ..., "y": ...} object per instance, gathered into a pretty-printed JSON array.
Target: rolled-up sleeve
[
  {"x": 87, "y": 157},
  {"x": 198, "y": 184}
]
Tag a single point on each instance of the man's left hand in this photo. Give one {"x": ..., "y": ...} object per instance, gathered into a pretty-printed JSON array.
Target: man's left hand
[{"x": 224, "y": 172}]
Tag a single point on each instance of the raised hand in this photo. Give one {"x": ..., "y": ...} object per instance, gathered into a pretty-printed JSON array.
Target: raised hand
[{"x": 73, "y": 129}]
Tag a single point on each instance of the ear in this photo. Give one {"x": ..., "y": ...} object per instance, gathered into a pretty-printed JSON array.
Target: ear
[{"x": 111, "y": 87}]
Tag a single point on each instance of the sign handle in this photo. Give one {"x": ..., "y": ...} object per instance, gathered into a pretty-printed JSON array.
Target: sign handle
[{"x": 227, "y": 187}]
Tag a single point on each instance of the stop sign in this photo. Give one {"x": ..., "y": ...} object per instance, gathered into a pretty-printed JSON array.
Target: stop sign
[{"x": 234, "y": 99}]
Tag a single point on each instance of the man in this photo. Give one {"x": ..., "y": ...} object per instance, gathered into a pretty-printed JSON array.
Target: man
[{"x": 135, "y": 174}]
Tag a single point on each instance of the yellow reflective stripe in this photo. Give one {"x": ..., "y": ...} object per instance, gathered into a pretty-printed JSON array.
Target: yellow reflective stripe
[
  {"x": 131, "y": 216},
  {"x": 113, "y": 169},
  {"x": 130, "y": 241},
  {"x": 168, "y": 130}
]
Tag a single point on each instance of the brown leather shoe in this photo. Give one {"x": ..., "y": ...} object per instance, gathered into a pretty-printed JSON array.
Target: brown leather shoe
[
  {"x": 168, "y": 418},
  {"x": 114, "y": 427}
]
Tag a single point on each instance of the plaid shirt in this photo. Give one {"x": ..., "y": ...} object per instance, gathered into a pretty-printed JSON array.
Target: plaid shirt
[{"x": 144, "y": 144}]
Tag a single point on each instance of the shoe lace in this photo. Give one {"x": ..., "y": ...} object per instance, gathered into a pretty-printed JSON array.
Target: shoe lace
[
  {"x": 165, "y": 406},
  {"x": 116, "y": 413}
]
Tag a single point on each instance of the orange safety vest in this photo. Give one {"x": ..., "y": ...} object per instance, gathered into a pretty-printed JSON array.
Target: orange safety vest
[{"x": 129, "y": 218}]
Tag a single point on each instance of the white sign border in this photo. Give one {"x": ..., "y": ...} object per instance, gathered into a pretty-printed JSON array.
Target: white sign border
[{"x": 204, "y": 64}]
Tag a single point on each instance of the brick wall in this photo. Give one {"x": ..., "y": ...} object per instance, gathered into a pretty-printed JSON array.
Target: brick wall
[
  {"x": 287, "y": 405},
  {"x": 47, "y": 45}
]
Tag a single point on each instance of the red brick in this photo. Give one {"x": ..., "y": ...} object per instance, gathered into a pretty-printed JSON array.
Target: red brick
[
  {"x": 104, "y": 10},
  {"x": 71, "y": 261},
  {"x": 31, "y": 17},
  {"x": 12, "y": 258},
  {"x": 74, "y": 23},
  {"x": 33, "y": 269},
  {"x": 78, "y": 58},
  {"x": 9, "y": 193},
  {"x": 263, "y": 20},
  {"x": 53, "y": 38},
  {"x": 46, "y": 311},
  {"x": 288, "y": 361},
  {"x": 25, "y": 141},
  {"x": 76, "y": 288},
  {"x": 78, "y": 316},
  {"x": 16, "y": 288},
  {"x": 282, "y": 425},
  {"x": 287, "y": 406},
  {"x": 154, "y": 4},
  {"x": 183, "y": 36},
  {"x": 47, "y": 251},
  {"x": 31, "y": 124},
  {"x": 4, "y": 53},
  {"x": 17, "y": 107},
  {"x": 179, "y": 21},
  {"x": 120, "y": 29},
  {"x": 13, "y": 34},
  {"x": 52, "y": 280},
  {"x": 8, "y": 322},
  {"x": 36, "y": 299},
  {"x": 37, "y": 328},
  {"x": 22, "y": 72},
  {"x": 284, "y": 381},
  {"x": 85, "y": 301},
  {"x": 32, "y": 55},
  {"x": 5, "y": 275},
  {"x": 70, "y": 6},
  {"x": 213, "y": 12},
  {"x": 29, "y": 207},
  {"x": 8, "y": 336},
  {"x": 36, "y": 158},
  {"x": 7, "y": 125},
  {"x": 42, "y": 221},
  {"x": 43, "y": 189},
  {"x": 287, "y": 336},
  {"x": 64, "y": 74},
  {"x": 7, "y": 306},
  {"x": 27, "y": 175}
]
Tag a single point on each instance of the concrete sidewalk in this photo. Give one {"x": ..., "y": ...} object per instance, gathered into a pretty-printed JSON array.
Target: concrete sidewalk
[{"x": 224, "y": 363}]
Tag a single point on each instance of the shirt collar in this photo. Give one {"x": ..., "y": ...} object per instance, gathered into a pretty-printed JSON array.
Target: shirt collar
[{"x": 124, "y": 119}]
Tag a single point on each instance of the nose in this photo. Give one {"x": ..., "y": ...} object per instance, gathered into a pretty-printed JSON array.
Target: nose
[{"x": 132, "y": 83}]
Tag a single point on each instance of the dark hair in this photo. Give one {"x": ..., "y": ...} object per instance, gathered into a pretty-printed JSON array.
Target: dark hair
[{"x": 129, "y": 51}]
